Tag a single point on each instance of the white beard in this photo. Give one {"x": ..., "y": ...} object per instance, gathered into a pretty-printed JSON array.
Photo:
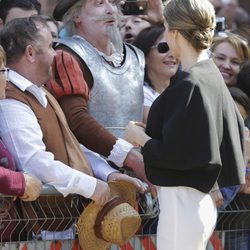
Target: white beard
[
  {"x": 115, "y": 38},
  {"x": 112, "y": 32}
]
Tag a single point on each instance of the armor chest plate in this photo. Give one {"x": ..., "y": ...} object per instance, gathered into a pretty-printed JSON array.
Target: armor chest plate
[{"x": 117, "y": 93}]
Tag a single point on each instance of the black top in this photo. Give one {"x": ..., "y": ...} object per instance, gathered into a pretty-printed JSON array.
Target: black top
[{"x": 197, "y": 133}]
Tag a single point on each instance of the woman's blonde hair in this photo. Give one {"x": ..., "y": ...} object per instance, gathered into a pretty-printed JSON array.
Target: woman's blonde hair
[
  {"x": 194, "y": 19},
  {"x": 2, "y": 57},
  {"x": 238, "y": 43}
]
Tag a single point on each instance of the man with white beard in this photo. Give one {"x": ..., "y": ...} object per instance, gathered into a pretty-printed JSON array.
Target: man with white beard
[{"x": 98, "y": 80}]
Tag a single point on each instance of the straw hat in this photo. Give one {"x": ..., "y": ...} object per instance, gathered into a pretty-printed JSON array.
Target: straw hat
[
  {"x": 62, "y": 7},
  {"x": 116, "y": 222}
]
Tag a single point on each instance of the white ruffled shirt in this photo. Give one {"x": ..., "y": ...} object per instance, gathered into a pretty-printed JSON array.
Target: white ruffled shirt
[{"x": 115, "y": 58}]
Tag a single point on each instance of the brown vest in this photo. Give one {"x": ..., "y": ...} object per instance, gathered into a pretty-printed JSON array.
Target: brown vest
[
  {"x": 47, "y": 206},
  {"x": 47, "y": 119}
]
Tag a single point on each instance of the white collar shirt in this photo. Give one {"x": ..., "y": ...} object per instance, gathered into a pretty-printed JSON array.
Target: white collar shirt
[{"x": 22, "y": 135}]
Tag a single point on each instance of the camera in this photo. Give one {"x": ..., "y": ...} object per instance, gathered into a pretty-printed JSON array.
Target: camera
[
  {"x": 220, "y": 24},
  {"x": 134, "y": 7}
]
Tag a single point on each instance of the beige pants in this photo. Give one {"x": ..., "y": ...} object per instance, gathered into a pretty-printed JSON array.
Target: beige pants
[{"x": 187, "y": 219}]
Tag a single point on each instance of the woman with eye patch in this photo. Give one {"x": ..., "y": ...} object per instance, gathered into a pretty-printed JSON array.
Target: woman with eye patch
[
  {"x": 229, "y": 52},
  {"x": 193, "y": 141},
  {"x": 160, "y": 64}
]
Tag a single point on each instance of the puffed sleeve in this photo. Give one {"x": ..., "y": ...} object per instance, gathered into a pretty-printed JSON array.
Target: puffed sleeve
[
  {"x": 67, "y": 76},
  {"x": 72, "y": 91}
]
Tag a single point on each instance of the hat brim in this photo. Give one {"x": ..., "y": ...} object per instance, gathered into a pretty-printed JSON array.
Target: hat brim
[
  {"x": 87, "y": 238},
  {"x": 62, "y": 7}
]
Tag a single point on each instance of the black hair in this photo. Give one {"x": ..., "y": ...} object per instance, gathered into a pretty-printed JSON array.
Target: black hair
[
  {"x": 240, "y": 97},
  {"x": 7, "y": 5},
  {"x": 243, "y": 79},
  {"x": 18, "y": 34},
  {"x": 145, "y": 40}
]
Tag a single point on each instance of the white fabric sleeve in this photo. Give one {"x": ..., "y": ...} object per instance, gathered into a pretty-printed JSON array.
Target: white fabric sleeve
[
  {"x": 22, "y": 135},
  {"x": 119, "y": 152},
  {"x": 100, "y": 167}
]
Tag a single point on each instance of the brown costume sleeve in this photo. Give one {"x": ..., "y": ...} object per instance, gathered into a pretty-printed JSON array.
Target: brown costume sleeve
[
  {"x": 70, "y": 83},
  {"x": 86, "y": 129}
]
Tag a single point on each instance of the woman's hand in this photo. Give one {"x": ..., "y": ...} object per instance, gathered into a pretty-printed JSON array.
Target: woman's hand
[
  {"x": 247, "y": 145},
  {"x": 135, "y": 133},
  {"x": 245, "y": 188},
  {"x": 135, "y": 162},
  {"x": 217, "y": 197}
]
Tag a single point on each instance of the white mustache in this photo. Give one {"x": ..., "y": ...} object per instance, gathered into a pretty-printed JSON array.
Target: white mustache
[{"x": 107, "y": 17}]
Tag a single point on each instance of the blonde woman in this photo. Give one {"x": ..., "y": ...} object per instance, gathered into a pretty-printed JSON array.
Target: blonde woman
[
  {"x": 193, "y": 136},
  {"x": 229, "y": 52}
]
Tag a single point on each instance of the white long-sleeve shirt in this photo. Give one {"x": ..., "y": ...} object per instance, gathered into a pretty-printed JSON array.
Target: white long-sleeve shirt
[{"x": 22, "y": 135}]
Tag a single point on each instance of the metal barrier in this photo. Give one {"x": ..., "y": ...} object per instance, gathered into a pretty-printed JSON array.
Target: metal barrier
[
  {"x": 233, "y": 225},
  {"x": 23, "y": 224}
]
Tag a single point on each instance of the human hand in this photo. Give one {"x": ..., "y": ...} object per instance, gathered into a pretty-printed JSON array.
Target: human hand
[
  {"x": 216, "y": 3},
  {"x": 140, "y": 124},
  {"x": 247, "y": 144},
  {"x": 155, "y": 12},
  {"x": 217, "y": 197},
  {"x": 139, "y": 185},
  {"x": 33, "y": 188},
  {"x": 134, "y": 133},
  {"x": 245, "y": 188},
  {"x": 228, "y": 11},
  {"x": 134, "y": 161},
  {"x": 102, "y": 193}
]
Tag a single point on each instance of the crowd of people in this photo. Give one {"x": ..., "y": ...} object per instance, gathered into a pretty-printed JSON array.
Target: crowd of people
[{"x": 89, "y": 96}]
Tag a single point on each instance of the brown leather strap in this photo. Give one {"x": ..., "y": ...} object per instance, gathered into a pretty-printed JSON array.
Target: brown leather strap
[{"x": 103, "y": 212}]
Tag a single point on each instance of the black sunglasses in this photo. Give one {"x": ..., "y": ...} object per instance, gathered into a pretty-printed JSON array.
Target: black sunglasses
[{"x": 161, "y": 47}]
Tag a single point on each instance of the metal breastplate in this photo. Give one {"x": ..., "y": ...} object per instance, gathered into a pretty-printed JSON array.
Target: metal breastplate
[{"x": 117, "y": 94}]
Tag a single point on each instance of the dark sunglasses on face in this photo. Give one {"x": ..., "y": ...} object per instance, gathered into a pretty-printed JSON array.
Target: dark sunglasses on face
[{"x": 161, "y": 47}]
